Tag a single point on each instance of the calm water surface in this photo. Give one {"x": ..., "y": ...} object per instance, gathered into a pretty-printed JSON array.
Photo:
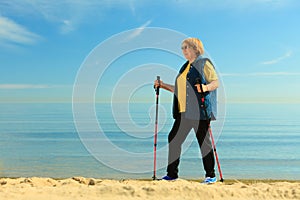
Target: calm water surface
[{"x": 257, "y": 141}]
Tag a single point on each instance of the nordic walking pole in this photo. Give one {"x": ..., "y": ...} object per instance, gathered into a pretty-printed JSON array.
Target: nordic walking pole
[
  {"x": 198, "y": 81},
  {"x": 156, "y": 127}
]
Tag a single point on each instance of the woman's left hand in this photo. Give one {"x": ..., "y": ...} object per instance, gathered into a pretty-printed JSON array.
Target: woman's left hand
[{"x": 204, "y": 87}]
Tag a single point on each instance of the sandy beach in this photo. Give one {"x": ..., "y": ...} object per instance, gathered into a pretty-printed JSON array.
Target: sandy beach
[{"x": 88, "y": 188}]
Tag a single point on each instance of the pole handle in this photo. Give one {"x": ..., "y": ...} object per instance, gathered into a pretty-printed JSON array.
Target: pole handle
[
  {"x": 198, "y": 81},
  {"x": 157, "y": 88}
]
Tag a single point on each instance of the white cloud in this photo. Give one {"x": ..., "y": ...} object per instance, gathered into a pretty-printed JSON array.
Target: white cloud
[
  {"x": 14, "y": 33},
  {"x": 23, "y": 86},
  {"x": 276, "y": 60},
  {"x": 138, "y": 31},
  {"x": 132, "y": 8},
  {"x": 67, "y": 26},
  {"x": 68, "y": 15}
]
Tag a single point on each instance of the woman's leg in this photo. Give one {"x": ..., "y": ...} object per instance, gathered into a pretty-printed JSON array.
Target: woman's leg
[
  {"x": 205, "y": 145},
  {"x": 177, "y": 136}
]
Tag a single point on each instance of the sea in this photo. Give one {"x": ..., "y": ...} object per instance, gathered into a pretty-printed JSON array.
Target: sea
[{"x": 253, "y": 141}]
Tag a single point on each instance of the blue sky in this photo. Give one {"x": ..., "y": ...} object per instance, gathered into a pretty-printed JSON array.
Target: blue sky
[{"x": 255, "y": 44}]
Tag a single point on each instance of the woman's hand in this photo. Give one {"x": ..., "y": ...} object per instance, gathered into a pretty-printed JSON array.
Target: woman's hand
[
  {"x": 158, "y": 83},
  {"x": 163, "y": 85},
  {"x": 204, "y": 87}
]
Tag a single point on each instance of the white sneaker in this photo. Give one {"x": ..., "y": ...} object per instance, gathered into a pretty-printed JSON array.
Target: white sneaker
[{"x": 209, "y": 180}]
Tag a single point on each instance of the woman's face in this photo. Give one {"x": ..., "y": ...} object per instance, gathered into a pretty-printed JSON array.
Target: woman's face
[{"x": 188, "y": 52}]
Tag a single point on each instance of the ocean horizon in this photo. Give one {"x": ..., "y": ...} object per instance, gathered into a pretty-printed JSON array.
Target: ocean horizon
[{"x": 256, "y": 141}]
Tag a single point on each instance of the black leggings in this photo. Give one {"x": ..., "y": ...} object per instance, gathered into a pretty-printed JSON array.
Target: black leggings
[{"x": 177, "y": 136}]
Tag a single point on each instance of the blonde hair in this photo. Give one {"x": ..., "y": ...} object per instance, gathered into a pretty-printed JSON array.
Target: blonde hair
[{"x": 196, "y": 44}]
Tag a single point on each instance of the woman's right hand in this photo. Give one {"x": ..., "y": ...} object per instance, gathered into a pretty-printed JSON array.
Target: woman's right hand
[
  {"x": 163, "y": 85},
  {"x": 158, "y": 83}
]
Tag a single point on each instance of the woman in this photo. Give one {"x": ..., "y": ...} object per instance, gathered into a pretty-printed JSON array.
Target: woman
[{"x": 188, "y": 110}]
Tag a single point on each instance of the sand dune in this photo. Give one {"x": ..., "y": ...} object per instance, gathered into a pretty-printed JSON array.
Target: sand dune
[{"x": 86, "y": 188}]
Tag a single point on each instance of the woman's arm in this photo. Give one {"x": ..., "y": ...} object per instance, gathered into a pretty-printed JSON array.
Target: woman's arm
[
  {"x": 208, "y": 87},
  {"x": 163, "y": 85},
  {"x": 211, "y": 77},
  {"x": 212, "y": 85}
]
